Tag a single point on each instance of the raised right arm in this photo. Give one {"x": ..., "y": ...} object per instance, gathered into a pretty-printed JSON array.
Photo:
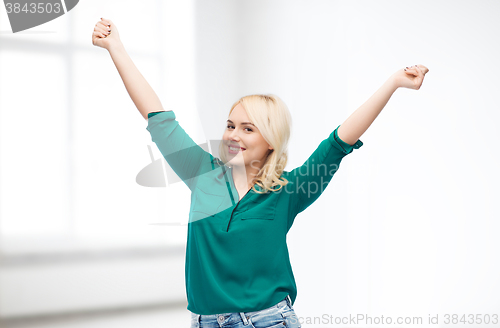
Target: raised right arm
[
  {"x": 106, "y": 35},
  {"x": 185, "y": 157},
  {"x": 142, "y": 94}
]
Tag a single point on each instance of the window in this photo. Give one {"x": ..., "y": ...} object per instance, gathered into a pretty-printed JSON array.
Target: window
[{"x": 71, "y": 139}]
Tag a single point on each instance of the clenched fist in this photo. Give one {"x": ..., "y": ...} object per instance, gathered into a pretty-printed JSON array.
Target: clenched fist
[
  {"x": 410, "y": 77},
  {"x": 105, "y": 34}
]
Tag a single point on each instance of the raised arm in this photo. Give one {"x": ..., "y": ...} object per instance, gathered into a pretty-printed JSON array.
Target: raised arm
[
  {"x": 186, "y": 158},
  {"x": 311, "y": 178},
  {"x": 106, "y": 35},
  {"x": 359, "y": 121}
]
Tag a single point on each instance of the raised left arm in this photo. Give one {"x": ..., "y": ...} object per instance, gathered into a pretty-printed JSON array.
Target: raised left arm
[{"x": 359, "y": 121}]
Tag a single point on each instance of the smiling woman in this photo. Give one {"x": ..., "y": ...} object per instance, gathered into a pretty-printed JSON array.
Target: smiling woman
[
  {"x": 259, "y": 127},
  {"x": 238, "y": 271},
  {"x": 229, "y": 230}
]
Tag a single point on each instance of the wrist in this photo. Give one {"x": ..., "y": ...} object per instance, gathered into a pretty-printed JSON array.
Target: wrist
[
  {"x": 116, "y": 47},
  {"x": 393, "y": 82}
]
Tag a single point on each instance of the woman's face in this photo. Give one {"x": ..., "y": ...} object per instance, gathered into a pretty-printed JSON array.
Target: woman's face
[{"x": 241, "y": 133}]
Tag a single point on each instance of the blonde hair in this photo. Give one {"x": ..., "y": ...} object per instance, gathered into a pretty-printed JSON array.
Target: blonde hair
[{"x": 271, "y": 116}]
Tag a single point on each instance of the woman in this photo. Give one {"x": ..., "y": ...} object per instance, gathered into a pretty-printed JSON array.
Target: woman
[{"x": 238, "y": 271}]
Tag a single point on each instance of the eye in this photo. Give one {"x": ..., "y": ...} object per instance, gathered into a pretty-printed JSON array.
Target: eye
[{"x": 231, "y": 126}]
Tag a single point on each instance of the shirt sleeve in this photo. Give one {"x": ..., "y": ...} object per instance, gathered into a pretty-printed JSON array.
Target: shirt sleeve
[
  {"x": 154, "y": 113},
  {"x": 311, "y": 178},
  {"x": 183, "y": 155}
]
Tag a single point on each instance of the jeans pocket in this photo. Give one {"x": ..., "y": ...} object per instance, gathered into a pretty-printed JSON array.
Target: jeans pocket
[
  {"x": 267, "y": 318},
  {"x": 194, "y": 320},
  {"x": 292, "y": 321}
]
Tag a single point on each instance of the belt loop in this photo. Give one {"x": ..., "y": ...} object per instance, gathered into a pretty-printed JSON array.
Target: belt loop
[
  {"x": 198, "y": 319},
  {"x": 244, "y": 318},
  {"x": 288, "y": 301}
]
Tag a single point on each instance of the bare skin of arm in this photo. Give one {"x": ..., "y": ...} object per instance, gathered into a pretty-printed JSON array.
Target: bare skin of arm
[
  {"x": 359, "y": 121},
  {"x": 106, "y": 36}
]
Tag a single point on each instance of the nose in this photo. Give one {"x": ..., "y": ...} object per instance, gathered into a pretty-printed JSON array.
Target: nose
[{"x": 234, "y": 135}]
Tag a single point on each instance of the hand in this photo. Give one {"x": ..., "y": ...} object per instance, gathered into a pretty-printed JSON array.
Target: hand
[
  {"x": 411, "y": 77},
  {"x": 105, "y": 34}
]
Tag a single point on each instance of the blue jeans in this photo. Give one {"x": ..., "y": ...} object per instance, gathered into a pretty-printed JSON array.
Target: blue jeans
[{"x": 280, "y": 315}]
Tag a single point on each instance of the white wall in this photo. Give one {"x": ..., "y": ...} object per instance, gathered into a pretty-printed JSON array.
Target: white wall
[
  {"x": 407, "y": 226},
  {"x": 77, "y": 233}
]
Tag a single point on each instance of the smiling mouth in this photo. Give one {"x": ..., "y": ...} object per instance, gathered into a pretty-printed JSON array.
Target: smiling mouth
[{"x": 235, "y": 149}]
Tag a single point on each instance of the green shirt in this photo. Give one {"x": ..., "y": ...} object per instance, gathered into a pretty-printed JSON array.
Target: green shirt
[{"x": 236, "y": 253}]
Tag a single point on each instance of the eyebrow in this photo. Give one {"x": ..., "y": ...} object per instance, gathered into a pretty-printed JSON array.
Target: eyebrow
[{"x": 242, "y": 122}]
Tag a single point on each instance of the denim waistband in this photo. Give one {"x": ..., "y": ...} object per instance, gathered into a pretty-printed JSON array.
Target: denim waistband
[{"x": 244, "y": 315}]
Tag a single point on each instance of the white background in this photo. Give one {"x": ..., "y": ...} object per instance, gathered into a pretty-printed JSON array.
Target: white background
[{"x": 407, "y": 227}]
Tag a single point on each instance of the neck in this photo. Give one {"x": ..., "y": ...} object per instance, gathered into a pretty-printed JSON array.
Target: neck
[{"x": 244, "y": 175}]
